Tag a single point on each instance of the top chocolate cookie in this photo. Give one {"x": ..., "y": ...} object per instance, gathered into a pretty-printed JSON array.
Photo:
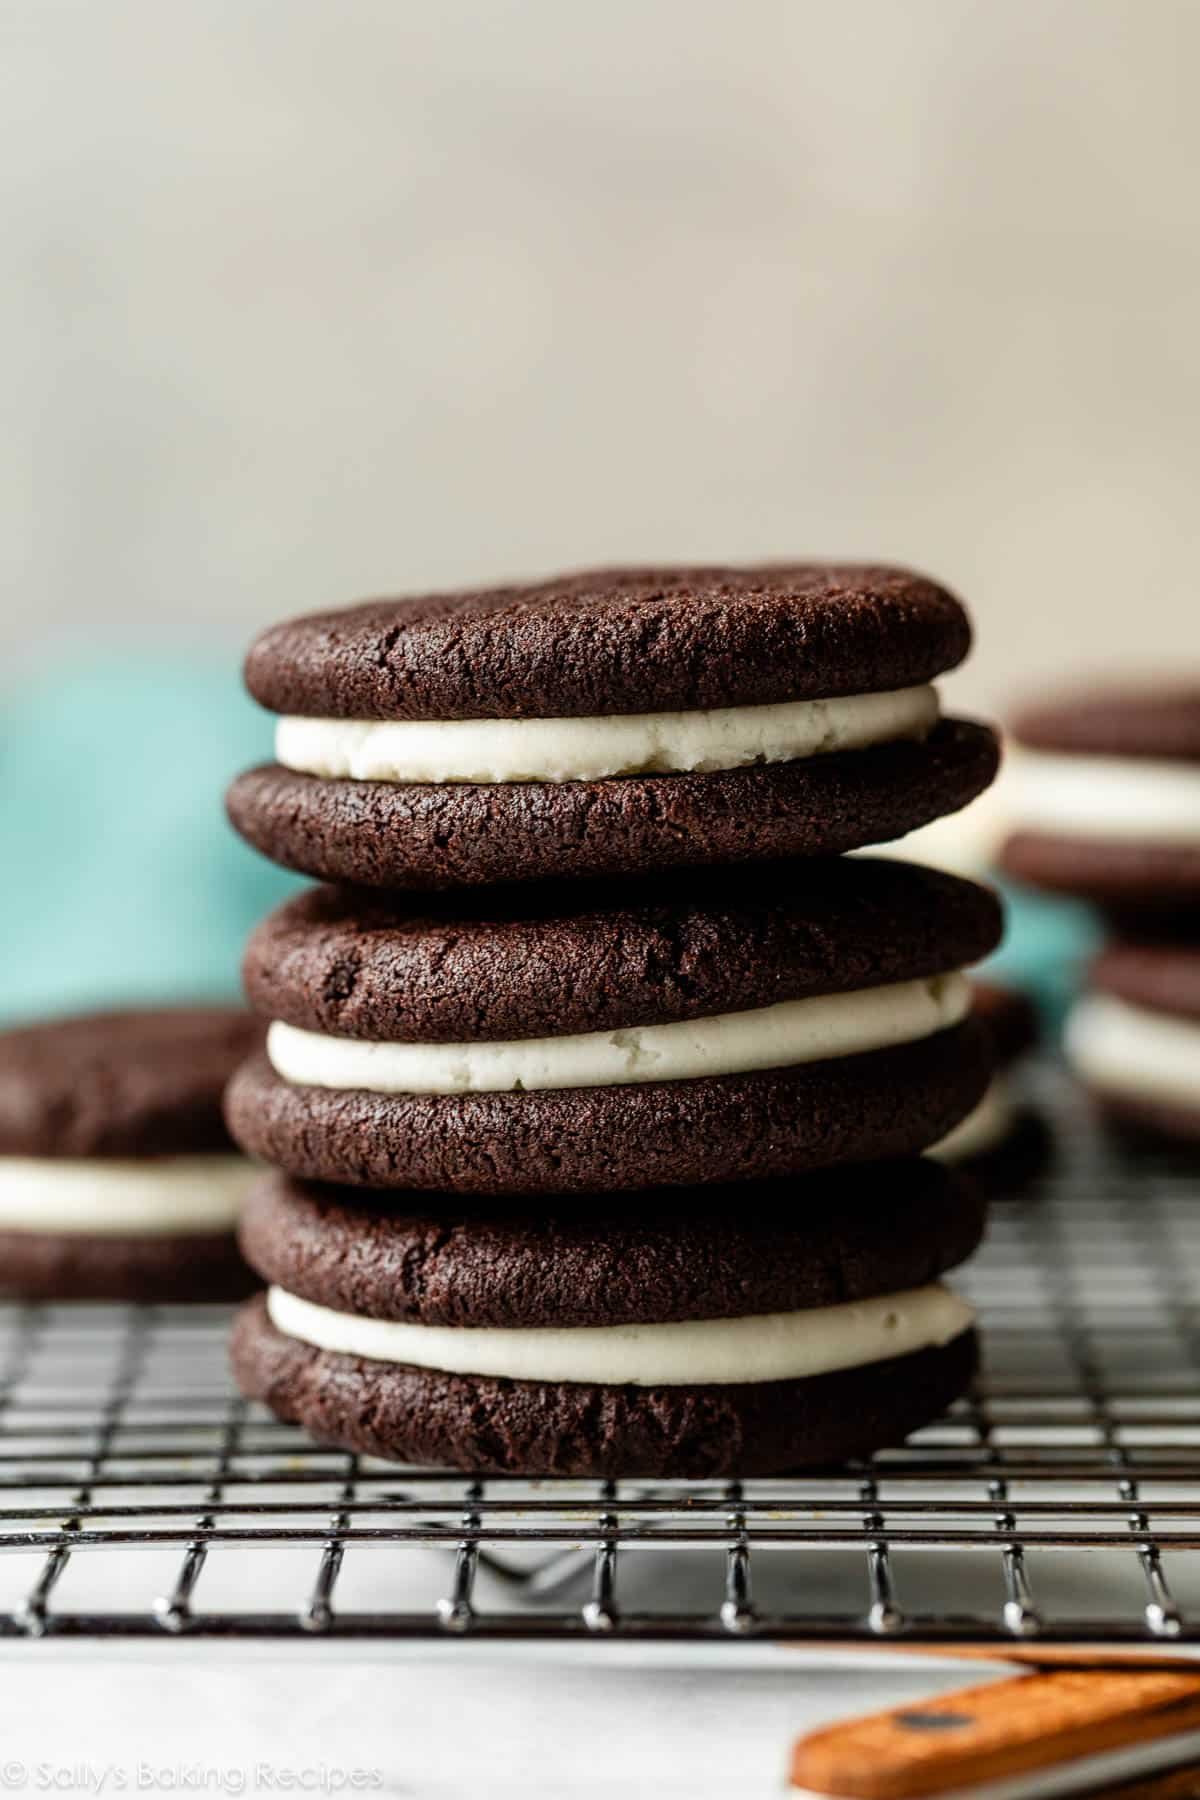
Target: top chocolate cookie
[
  {"x": 615, "y": 641},
  {"x": 137, "y": 1083},
  {"x": 1160, "y": 720},
  {"x": 522, "y": 962}
]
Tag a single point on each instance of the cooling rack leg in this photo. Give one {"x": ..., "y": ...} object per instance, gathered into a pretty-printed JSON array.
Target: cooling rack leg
[
  {"x": 456, "y": 1612},
  {"x": 883, "y": 1615},
  {"x": 737, "y": 1609},
  {"x": 600, "y": 1612},
  {"x": 1020, "y": 1615}
]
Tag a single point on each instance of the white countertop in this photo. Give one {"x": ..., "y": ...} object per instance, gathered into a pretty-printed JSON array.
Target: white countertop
[{"x": 552, "y": 1725}]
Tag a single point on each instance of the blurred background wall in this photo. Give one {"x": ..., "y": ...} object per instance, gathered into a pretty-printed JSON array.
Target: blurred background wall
[{"x": 306, "y": 300}]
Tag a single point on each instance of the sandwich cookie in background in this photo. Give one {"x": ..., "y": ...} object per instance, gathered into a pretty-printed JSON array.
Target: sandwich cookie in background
[
  {"x": 730, "y": 1025},
  {"x": 1133, "y": 1038},
  {"x": 687, "y": 1334},
  {"x": 1002, "y": 1140},
  {"x": 610, "y": 723},
  {"x": 118, "y": 1179},
  {"x": 1103, "y": 800}
]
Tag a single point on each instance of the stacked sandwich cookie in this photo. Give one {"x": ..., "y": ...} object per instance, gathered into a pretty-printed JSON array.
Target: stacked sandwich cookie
[
  {"x": 587, "y": 1038},
  {"x": 1105, "y": 804},
  {"x": 611, "y": 1166},
  {"x": 610, "y": 724},
  {"x": 1104, "y": 801},
  {"x": 118, "y": 1179},
  {"x": 698, "y": 1332},
  {"x": 1134, "y": 1037}
]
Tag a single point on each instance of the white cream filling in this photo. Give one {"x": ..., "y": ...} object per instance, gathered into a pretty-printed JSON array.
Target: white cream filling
[
  {"x": 763, "y": 1347},
  {"x": 499, "y": 750},
  {"x": 161, "y": 1196},
  {"x": 1127, "y": 1050},
  {"x": 1110, "y": 798},
  {"x": 769, "y": 1037},
  {"x": 983, "y": 1128}
]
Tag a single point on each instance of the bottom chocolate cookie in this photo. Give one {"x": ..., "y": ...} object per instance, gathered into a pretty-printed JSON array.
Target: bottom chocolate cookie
[
  {"x": 772, "y": 1122},
  {"x": 48, "y": 1265},
  {"x": 1151, "y": 1120},
  {"x": 498, "y": 1425},
  {"x": 1135, "y": 879},
  {"x": 423, "y": 836}
]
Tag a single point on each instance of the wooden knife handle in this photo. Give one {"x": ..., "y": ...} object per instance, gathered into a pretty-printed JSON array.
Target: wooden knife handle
[{"x": 986, "y": 1733}]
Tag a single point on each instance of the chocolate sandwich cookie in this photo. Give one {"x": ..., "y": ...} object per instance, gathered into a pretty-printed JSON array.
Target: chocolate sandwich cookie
[
  {"x": 1104, "y": 799},
  {"x": 608, "y": 724},
  {"x": 118, "y": 1179},
  {"x": 593, "y": 1037},
  {"x": 1134, "y": 1037},
  {"x": 699, "y": 1333},
  {"x": 1000, "y": 1140}
]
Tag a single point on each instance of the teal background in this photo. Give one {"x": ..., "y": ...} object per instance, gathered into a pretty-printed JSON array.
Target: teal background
[
  {"x": 1046, "y": 946},
  {"x": 123, "y": 880}
]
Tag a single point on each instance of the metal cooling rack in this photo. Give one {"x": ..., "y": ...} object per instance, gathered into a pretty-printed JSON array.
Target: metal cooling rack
[{"x": 1060, "y": 1504}]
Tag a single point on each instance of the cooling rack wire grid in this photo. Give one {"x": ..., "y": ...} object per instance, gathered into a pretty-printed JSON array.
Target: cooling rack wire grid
[{"x": 1059, "y": 1504}]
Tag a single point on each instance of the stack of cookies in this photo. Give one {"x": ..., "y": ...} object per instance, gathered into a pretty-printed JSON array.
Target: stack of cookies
[
  {"x": 1105, "y": 804},
  {"x": 596, "y": 1079}
]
